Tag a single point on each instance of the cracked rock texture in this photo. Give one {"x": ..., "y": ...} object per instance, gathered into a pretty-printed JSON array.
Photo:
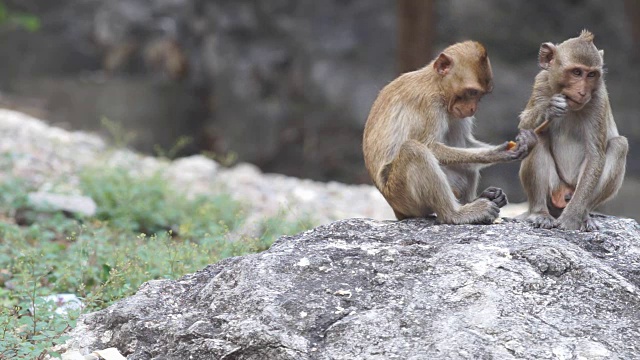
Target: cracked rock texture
[{"x": 365, "y": 289}]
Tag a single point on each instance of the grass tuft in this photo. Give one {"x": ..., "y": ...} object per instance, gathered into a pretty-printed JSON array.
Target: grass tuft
[{"x": 143, "y": 230}]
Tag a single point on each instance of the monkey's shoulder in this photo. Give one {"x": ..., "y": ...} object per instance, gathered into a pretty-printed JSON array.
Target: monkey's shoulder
[{"x": 541, "y": 86}]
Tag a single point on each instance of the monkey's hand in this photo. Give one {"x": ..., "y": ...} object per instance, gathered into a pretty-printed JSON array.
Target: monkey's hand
[
  {"x": 496, "y": 195},
  {"x": 557, "y": 107},
  {"x": 526, "y": 140}
]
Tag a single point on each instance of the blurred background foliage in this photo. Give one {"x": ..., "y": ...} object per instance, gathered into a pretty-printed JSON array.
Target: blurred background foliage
[{"x": 14, "y": 20}]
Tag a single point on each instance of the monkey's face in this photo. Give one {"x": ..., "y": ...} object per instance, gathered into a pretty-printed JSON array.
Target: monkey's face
[
  {"x": 466, "y": 77},
  {"x": 465, "y": 102},
  {"x": 578, "y": 84},
  {"x": 575, "y": 68}
]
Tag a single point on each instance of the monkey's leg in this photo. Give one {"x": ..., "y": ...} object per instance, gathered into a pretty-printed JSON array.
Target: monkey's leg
[
  {"x": 417, "y": 187},
  {"x": 606, "y": 187},
  {"x": 538, "y": 176},
  {"x": 463, "y": 181},
  {"x": 612, "y": 176},
  {"x": 613, "y": 173}
]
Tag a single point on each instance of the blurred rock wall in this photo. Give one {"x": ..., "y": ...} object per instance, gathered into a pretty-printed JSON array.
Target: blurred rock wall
[{"x": 285, "y": 84}]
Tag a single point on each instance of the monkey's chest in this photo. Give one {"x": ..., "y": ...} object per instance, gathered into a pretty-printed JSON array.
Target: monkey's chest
[
  {"x": 569, "y": 155},
  {"x": 454, "y": 139}
]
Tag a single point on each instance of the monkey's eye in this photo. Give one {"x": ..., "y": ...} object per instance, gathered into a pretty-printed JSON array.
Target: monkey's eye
[
  {"x": 591, "y": 74},
  {"x": 472, "y": 93},
  {"x": 577, "y": 72}
]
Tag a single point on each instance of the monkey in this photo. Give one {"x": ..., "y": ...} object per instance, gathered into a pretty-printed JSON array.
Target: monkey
[
  {"x": 418, "y": 144},
  {"x": 579, "y": 162}
]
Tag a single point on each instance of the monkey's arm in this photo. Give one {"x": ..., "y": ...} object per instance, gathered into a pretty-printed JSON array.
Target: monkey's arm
[
  {"x": 533, "y": 113},
  {"x": 540, "y": 103},
  {"x": 541, "y": 109},
  {"x": 540, "y": 117},
  {"x": 477, "y": 144},
  {"x": 530, "y": 118},
  {"x": 447, "y": 155}
]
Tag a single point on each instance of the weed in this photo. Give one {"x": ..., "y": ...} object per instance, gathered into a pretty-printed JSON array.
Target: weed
[
  {"x": 148, "y": 205},
  {"x": 16, "y": 20},
  {"x": 227, "y": 160},
  {"x": 172, "y": 153},
  {"x": 120, "y": 136},
  {"x": 143, "y": 230}
]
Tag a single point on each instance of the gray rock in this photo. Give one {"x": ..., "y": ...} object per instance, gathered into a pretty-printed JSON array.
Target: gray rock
[
  {"x": 362, "y": 289},
  {"x": 186, "y": 173},
  {"x": 76, "y": 204}
]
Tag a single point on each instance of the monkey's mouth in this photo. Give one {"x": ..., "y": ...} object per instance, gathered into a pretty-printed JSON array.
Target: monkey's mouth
[
  {"x": 576, "y": 103},
  {"x": 460, "y": 114}
]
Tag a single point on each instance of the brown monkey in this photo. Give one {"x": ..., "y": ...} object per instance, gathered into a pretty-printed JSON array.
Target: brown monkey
[
  {"x": 418, "y": 146},
  {"x": 580, "y": 160}
]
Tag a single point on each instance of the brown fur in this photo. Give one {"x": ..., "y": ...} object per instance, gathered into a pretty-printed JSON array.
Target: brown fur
[
  {"x": 581, "y": 156},
  {"x": 418, "y": 146}
]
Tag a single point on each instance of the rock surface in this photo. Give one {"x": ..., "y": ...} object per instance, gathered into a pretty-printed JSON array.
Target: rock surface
[
  {"x": 363, "y": 289},
  {"x": 74, "y": 204}
]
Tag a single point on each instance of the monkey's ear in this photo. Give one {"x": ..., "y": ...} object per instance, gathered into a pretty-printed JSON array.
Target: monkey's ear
[
  {"x": 601, "y": 52},
  {"x": 547, "y": 55},
  {"x": 443, "y": 64}
]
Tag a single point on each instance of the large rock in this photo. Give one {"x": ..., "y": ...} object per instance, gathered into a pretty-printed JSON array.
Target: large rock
[{"x": 361, "y": 289}]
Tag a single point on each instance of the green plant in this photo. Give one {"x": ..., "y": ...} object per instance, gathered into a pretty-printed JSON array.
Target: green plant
[
  {"x": 180, "y": 144},
  {"x": 29, "y": 325},
  {"x": 275, "y": 226},
  {"x": 16, "y": 19},
  {"x": 148, "y": 205},
  {"x": 228, "y": 159},
  {"x": 144, "y": 230},
  {"x": 120, "y": 136},
  {"x": 13, "y": 195}
]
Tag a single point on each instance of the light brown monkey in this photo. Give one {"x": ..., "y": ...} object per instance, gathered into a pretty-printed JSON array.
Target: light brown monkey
[
  {"x": 580, "y": 160},
  {"x": 418, "y": 146}
]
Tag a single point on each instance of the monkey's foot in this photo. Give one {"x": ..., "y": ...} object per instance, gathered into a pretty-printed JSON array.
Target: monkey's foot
[
  {"x": 590, "y": 225},
  {"x": 481, "y": 211},
  {"x": 586, "y": 224},
  {"x": 496, "y": 195},
  {"x": 541, "y": 220},
  {"x": 561, "y": 196}
]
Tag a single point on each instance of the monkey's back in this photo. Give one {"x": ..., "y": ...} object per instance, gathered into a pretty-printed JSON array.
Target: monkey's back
[{"x": 392, "y": 120}]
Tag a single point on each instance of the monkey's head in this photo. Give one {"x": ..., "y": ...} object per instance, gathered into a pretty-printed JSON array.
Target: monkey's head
[
  {"x": 465, "y": 75},
  {"x": 575, "y": 68}
]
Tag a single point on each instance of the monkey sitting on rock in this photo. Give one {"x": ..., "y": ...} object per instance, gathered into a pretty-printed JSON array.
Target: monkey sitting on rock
[
  {"x": 579, "y": 162},
  {"x": 418, "y": 145}
]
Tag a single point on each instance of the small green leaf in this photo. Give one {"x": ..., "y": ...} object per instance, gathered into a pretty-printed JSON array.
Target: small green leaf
[
  {"x": 25, "y": 320},
  {"x": 3, "y": 13},
  {"x": 28, "y": 22}
]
